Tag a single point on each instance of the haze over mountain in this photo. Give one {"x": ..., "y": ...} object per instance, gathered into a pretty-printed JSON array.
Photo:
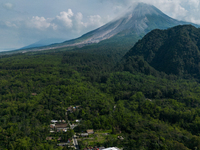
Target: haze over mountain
[
  {"x": 43, "y": 42},
  {"x": 173, "y": 51}
]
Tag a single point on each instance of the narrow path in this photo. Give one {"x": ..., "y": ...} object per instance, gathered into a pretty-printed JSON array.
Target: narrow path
[{"x": 75, "y": 142}]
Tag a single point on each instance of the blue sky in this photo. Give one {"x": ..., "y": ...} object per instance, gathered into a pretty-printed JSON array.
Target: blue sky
[{"x": 23, "y": 22}]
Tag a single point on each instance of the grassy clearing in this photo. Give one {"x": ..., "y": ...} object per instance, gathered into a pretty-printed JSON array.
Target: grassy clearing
[
  {"x": 98, "y": 138},
  {"x": 103, "y": 131}
]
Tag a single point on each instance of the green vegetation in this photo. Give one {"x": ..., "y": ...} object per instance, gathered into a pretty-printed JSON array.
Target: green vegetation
[
  {"x": 140, "y": 107},
  {"x": 173, "y": 51}
]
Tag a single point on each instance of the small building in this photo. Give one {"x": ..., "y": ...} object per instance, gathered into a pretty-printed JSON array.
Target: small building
[
  {"x": 111, "y": 148},
  {"x": 77, "y": 120},
  {"x": 90, "y": 148},
  {"x": 120, "y": 137},
  {"x": 49, "y": 138},
  {"x": 77, "y": 107},
  {"x": 84, "y": 134},
  {"x": 90, "y": 131},
  {"x": 64, "y": 130},
  {"x": 62, "y": 144},
  {"x": 52, "y": 126},
  {"x": 149, "y": 99},
  {"x": 95, "y": 148},
  {"x": 70, "y": 109},
  {"x": 68, "y": 141},
  {"x": 33, "y": 94},
  {"x": 54, "y": 121},
  {"x": 62, "y": 127}
]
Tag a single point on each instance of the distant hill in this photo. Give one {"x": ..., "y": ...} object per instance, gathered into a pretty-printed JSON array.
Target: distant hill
[
  {"x": 173, "y": 51},
  {"x": 43, "y": 42},
  {"x": 125, "y": 30}
]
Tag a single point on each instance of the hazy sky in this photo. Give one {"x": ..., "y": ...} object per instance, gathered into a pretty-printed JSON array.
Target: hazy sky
[{"x": 23, "y": 22}]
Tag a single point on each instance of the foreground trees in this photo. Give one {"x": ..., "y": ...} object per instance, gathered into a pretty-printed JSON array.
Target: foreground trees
[{"x": 149, "y": 112}]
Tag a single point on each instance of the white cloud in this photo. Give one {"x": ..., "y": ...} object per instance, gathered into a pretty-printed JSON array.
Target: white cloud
[
  {"x": 79, "y": 25},
  {"x": 79, "y": 18},
  {"x": 173, "y": 9},
  {"x": 66, "y": 21},
  {"x": 8, "y": 6},
  {"x": 65, "y": 17},
  {"x": 9, "y": 24},
  {"x": 194, "y": 3},
  {"x": 39, "y": 23},
  {"x": 186, "y": 10},
  {"x": 95, "y": 20},
  {"x": 192, "y": 19}
]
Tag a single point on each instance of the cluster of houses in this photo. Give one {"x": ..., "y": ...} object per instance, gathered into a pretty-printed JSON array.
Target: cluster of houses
[
  {"x": 58, "y": 126},
  {"x": 62, "y": 126},
  {"x": 88, "y": 132}
]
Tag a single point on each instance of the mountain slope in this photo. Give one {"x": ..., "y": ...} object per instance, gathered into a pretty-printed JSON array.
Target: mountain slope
[
  {"x": 135, "y": 22},
  {"x": 173, "y": 51},
  {"x": 43, "y": 42},
  {"x": 124, "y": 31}
]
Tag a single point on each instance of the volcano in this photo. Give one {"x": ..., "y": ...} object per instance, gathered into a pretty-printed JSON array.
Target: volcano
[
  {"x": 127, "y": 28},
  {"x": 137, "y": 21}
]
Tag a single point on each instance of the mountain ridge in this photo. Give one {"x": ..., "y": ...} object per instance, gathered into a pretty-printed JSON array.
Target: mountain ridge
[{"x": 173, "y": 51}]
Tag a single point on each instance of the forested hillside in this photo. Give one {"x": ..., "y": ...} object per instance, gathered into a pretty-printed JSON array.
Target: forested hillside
[
  {"x": 173, "y": 51},
  {"x": 149, "y": 109}
]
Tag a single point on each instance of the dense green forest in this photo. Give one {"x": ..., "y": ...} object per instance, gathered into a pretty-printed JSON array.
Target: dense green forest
[
  {"x": 173, "y": 51},
  {"x": 152, "y": 110}
]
